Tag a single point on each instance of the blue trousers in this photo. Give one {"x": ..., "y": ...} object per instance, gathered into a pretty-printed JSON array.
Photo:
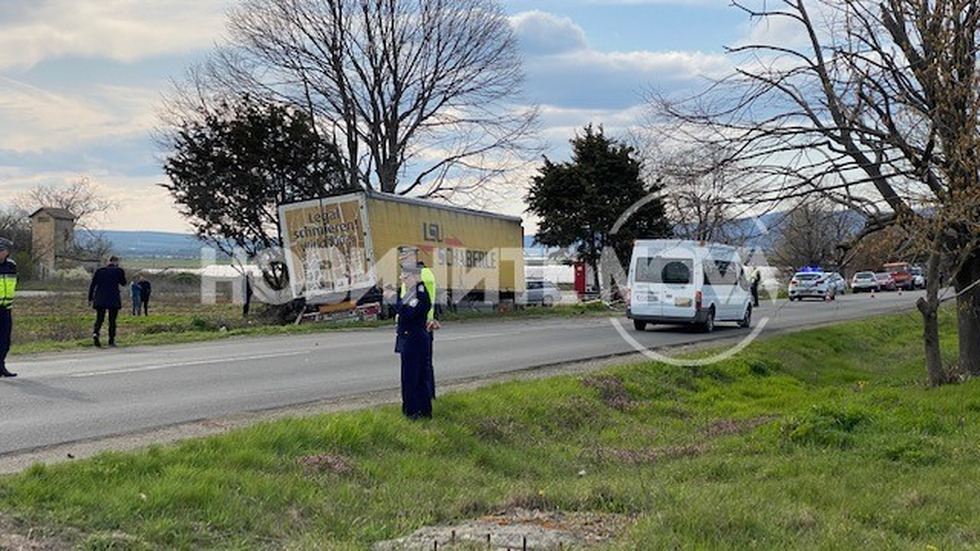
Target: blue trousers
[
  {"x": 6, "y": 328},
  {"x": 416, "y": 396}
]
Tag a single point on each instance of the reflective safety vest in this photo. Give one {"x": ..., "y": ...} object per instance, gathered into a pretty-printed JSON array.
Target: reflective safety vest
[
  {"x": 428, "y": 279},
  {"x": 8, "y": 283}
]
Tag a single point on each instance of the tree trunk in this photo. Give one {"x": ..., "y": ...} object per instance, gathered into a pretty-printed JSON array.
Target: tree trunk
[
  {"x": 929, "y": 308},
  {"x": 968, "y": 315}
]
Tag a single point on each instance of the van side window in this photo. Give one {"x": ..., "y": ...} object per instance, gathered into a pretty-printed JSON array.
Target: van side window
[
  {"x": 676, "y": 272},
  {"x": 663, "y": 270},
  {"x": 647, "y": 270},
  {"x": 719, "y": 272}
]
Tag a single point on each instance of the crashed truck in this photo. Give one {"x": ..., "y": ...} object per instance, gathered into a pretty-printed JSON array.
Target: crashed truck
[{"x": 341, "y": 251}]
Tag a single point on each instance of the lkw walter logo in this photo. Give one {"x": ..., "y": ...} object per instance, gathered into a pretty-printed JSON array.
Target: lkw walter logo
[{"x": 683, "y": 281}]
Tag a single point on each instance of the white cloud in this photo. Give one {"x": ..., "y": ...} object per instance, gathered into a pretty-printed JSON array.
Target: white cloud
[
  {"x": 35, "y": 119},
  {"x": 590, "y": 79},
  {"x": 121, "y": 30},
  {"x": 142, "y": 205},
  {"x": 542, "y": 33}
]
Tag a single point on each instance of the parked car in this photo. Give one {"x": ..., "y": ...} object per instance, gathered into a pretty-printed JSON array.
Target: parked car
[
  {"x": 918, "y": 277},
  {"x": 839, "y": 283},
  {"x": 864, "y": 281},
  {"x": 885, "y": 281},
  {"x": 541, "y": 291},
  {"x": 901, "y": 273},
  {"x": 812, "y": 284}
]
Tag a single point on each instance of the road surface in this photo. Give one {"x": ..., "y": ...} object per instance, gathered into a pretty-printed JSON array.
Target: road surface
[{"x": 90, "y": 395}]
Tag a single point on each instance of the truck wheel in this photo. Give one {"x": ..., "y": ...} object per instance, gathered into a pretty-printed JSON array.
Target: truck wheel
[
  {"x": 747, "y": 318},
  {"x": 639, "y": 325},
  {"x": 709, "y": 323}
]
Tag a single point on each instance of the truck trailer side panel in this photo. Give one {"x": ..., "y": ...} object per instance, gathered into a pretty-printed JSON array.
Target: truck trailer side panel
[
  {"x": 349, "y": 244},
  {"x": 468, "y": 251}
]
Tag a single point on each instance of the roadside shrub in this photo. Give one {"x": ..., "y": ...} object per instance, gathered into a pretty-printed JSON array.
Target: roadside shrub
[
  {"x": 202, "y": 324},
  {"x": 824, "y": 426},
  {"x": 918, "y": 452},
  {"x": 73, "y": 274}
]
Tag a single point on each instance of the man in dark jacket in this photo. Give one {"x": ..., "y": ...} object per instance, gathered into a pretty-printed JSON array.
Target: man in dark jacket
[
  {"x": 103, "y": 294},
  {"x": 8, "y": 285}
]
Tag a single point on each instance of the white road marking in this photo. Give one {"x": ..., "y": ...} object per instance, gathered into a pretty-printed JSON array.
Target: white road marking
[{"x": 185, "y": 364}]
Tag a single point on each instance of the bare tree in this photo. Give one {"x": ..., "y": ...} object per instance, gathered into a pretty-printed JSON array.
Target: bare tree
[
  {"x": 417, "y": 94},
  {"x": 875, "y": 107},
  {"x": 15, "y": 227},
  {"x": 706, "y": 195},
  {"x": 811, "y": 235},
  {"x": 80, "y": 197}
]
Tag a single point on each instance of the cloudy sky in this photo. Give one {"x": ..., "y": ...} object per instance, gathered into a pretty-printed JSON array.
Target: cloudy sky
[{"x": 80, "y": 80}]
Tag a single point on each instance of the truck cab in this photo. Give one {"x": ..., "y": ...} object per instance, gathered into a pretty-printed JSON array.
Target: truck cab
[{"x": 901, "y": 273}]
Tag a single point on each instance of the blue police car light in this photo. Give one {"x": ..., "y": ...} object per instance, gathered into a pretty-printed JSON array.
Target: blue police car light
[{"x": 810, "y": 269}]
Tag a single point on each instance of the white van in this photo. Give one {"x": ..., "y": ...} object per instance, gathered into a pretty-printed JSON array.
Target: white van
[{"x": 687, "y": 282}]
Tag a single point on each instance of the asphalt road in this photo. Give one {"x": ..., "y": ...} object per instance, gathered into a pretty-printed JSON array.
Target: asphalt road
[{"x": 94, "y": 394}]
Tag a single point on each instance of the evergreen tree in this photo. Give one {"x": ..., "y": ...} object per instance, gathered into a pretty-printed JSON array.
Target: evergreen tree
[
  {"x": 229, "y": 172},
  {"x": 578, "y": 203}
]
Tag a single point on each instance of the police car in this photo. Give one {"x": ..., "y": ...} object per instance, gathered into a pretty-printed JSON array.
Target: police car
[{"x": 812, "y": 283}]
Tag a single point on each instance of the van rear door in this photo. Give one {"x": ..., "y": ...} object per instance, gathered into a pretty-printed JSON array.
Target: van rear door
[
  {"x": 677, "y": 291},
  {"x": 645, "y": 288}
]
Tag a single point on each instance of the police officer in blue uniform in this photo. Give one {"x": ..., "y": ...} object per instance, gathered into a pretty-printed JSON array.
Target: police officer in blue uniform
[
  {"x": 8, "y": 286},
  {"x": 412, "y": 342}
]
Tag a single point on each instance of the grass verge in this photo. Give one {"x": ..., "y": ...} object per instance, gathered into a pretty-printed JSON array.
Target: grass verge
[{"x": 823, "y": 439}]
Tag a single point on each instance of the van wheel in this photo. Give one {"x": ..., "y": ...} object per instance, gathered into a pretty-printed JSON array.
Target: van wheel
[
  {"x": 709, "y": 323},
  {"x": 639, "y": 325},
  {"x": 747, "y": 318}
]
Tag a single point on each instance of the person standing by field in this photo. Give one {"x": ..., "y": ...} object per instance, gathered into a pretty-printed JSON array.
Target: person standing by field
[
  {"x": 145, "y": 289},
  {"x": 8, "y": 286},
  {"x": 134, "y": 294},
  {"x": 103, "y": 294}
]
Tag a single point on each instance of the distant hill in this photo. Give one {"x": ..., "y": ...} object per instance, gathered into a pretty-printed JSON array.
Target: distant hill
[{"x": 149, "y": 244}]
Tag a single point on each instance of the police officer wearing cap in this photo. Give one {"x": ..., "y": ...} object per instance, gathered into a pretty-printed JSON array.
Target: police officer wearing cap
[
  {"x": 412, "y": 341},
  {"x": 8, "y": 286}
]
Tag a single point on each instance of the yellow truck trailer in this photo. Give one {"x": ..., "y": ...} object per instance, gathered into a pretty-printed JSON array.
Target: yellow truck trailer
[{"x": 344, "y": 249}]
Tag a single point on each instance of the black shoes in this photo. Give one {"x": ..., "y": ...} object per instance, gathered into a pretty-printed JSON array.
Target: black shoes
[
  {"x": 98, "y": 343},
  {"x": 5, "y": 373}
]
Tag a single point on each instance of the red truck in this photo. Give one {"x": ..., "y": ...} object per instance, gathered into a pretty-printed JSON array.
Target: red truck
[{"x": 902, "y": 274}]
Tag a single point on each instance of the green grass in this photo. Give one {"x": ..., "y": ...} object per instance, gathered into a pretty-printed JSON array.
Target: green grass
[{"x": 823, "y": 439}]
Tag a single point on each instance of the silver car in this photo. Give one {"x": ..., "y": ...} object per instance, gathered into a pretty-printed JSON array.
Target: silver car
[
  {"x": 838, "y": 282},
  {"x": 918, "y": 277},
  {"x": 864, "y": 281},
  {"x": 811, "y": 285},
  {"x": 543, "y": 292}
]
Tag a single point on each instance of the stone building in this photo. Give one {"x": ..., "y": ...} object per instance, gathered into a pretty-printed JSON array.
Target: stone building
[{"x": 52, "y": 239}]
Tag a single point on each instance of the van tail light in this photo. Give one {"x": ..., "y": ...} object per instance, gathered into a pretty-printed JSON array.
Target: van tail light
[{"x": 697, "y": 300}]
